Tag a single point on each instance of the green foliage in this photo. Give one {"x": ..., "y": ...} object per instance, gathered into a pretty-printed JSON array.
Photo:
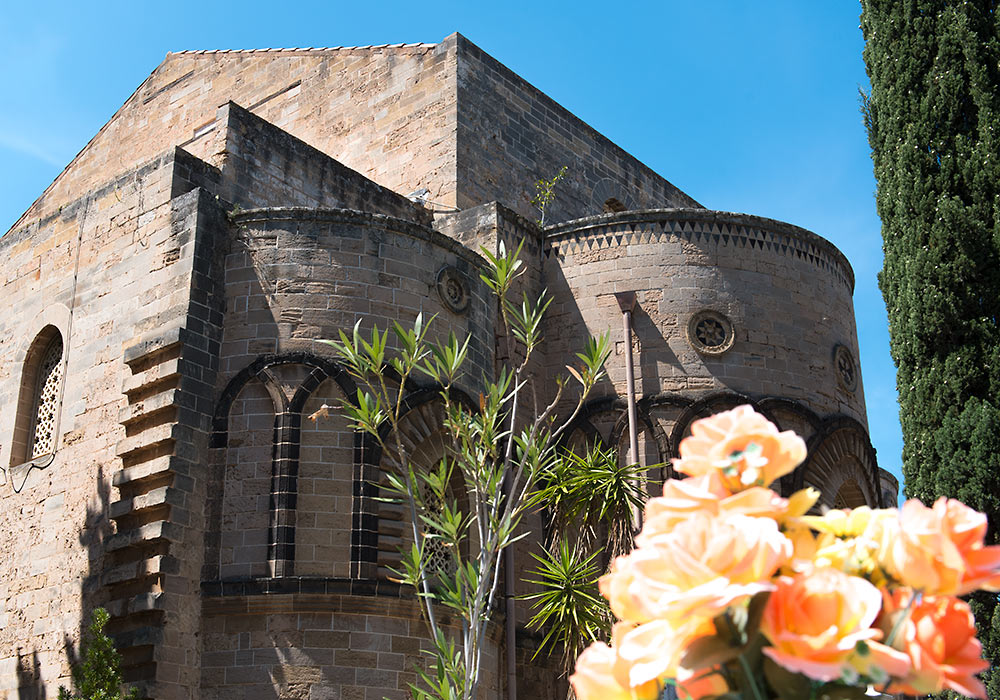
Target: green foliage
[
  {"x": 98, "y": 676},
  {"x": 933, "y": 121},
  {"x": 493, "y": 459},
  {"x": 568, "y": 606},
  {"x": 590, "y": 500},
  {"x": 545, "y": 193}
]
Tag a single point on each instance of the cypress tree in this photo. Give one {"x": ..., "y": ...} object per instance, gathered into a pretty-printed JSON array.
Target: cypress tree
[{"x": 933, "y": 127}]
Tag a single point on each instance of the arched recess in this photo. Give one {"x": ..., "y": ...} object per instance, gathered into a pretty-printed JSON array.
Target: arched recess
[
  {"x": 34, "y": 338},
  {"x": 704, "y": 407},
  {"x": 325, "y": 487},
  {"x": 849, "y": 495},
  {"x": 425, "y": 440},
  {"x": 243, "y": 501},
  {"x": 841, "y": 463},
  {"x": 604, "y": 422},
  {"x": 288, "y": 381}
]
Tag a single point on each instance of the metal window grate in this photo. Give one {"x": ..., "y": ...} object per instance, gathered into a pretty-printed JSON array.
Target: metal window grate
[{"x": 50, "y": 374}]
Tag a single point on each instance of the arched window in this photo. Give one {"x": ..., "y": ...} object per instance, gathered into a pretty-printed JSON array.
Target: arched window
[{"x": 38, "y": 403}]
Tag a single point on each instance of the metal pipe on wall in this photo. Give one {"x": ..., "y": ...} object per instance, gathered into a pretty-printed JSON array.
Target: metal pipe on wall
[{"x": 626, "y": 302}]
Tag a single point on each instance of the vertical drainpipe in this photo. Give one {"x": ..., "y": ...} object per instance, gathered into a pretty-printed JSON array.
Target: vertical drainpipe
[
  {"x": 626, "y": 302},
  {"x": 510, "y": 621}
]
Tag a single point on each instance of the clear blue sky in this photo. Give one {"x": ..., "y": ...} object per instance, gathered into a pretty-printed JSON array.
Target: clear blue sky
[{"x": 747, "y": 106}]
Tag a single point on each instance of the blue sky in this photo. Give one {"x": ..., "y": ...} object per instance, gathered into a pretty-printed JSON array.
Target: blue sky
[{"x": 746, "y": 106}]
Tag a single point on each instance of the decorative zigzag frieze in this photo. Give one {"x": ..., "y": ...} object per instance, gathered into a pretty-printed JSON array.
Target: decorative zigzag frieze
[{"x": 569, "y": 242}]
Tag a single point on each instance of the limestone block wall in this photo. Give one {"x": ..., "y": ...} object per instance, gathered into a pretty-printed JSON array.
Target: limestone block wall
[
  {"x": 387, "y": 112},
  {"x": 261, "y": 165},
  {"x": 443, "y": 117},
  {"x": 777, "y": 297},
  {"x": 292, "y": 599},
  {"x": 510, "y": 135},
  {"x": 295, "y": 277},
  {"x": 325, "y": 643},
  {"x": 786, "y": 291},
  {"x": 114, "y": 264}
]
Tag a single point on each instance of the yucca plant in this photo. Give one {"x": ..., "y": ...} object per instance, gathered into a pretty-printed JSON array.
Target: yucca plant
[
  {"x": 589, "y": 499},
  {"x": 568, "y": 605}
]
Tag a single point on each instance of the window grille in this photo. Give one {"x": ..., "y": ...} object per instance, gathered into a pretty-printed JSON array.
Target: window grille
[{"x": 47, "y": 384}]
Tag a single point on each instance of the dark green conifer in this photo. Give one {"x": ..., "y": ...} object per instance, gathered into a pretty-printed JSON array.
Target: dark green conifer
[
  {"x": 933, "y": 119},
  {"x": 98, "y": 676}
]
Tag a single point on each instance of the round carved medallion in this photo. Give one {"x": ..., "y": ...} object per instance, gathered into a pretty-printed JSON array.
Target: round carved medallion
[
  {"x": 453, "y": 289},
  {"x": 710, "y": 333},
  {"x": 846, "y": 368}
]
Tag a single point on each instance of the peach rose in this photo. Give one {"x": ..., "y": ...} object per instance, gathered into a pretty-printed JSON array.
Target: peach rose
[
  {"x": 816, "y": 620},
  {"x": 651, "y": 652},
  {"x": 940, "y": 550},
  {"x": 617, "y": 586},
  {"x": 939, "y": 636},
  {"x": 701, "y": 566},
  {"x": 743, "y": 446},
  {"x": 594, "y": 677},
  {"x": 683, "y": 497}
]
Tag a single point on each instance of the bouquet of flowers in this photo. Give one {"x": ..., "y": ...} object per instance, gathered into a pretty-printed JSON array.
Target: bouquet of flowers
[{"x": 734, "y": 591}]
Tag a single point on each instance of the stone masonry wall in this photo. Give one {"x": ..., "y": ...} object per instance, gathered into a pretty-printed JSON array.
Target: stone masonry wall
[
  {"x": 510, "y": 135},
  {"x": 786, "y": 291},
  {"x": 443, "y": 117},
  {"x": 318, "y": 646},
  {"x": 105, "y": 268},
  {"x": 375, "y": 109}
]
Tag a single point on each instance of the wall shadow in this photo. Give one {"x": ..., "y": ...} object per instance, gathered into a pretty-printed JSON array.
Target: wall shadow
[{"x": 29, "y": 677}]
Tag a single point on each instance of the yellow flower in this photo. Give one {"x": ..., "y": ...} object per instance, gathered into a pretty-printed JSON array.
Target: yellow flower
[{"x": 853, "y": 541}]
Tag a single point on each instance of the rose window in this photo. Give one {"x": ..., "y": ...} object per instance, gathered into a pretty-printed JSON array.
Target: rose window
[
  {"x": 845, "y": 368},
  {"x": 710, "y": 333},
  {"x": 452, "y": 289}
]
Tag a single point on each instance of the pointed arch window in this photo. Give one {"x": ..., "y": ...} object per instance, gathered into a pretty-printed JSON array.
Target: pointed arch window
[
  {"x": 48, "y": 382},
  {"x": 40, "y": 395}
]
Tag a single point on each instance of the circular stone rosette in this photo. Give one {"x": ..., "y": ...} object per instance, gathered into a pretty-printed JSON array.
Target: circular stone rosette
[
  {"x": 710, "y": 333},
  {"x": 453, "y": 289},
  {"x": 845, "y": 368}
]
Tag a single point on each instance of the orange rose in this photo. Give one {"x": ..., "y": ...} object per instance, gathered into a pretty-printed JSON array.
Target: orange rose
[
  {"x": 940, "y": 550},
  {"x": 743, "y": 446},
  {"x": 702, "y": 566},
  {"x": 816, "y": 620},
  {"x": 939, "y": 636},
  {"x": 701, "y": 685}
]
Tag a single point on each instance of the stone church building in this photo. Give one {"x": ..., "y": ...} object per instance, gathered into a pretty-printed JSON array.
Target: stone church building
[{"x": 162, "y": 304}]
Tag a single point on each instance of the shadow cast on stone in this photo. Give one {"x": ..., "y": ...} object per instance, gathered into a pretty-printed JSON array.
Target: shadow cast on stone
[
  {"x": 92, "y": 537},
  {"x": 29, "y": 677}
]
